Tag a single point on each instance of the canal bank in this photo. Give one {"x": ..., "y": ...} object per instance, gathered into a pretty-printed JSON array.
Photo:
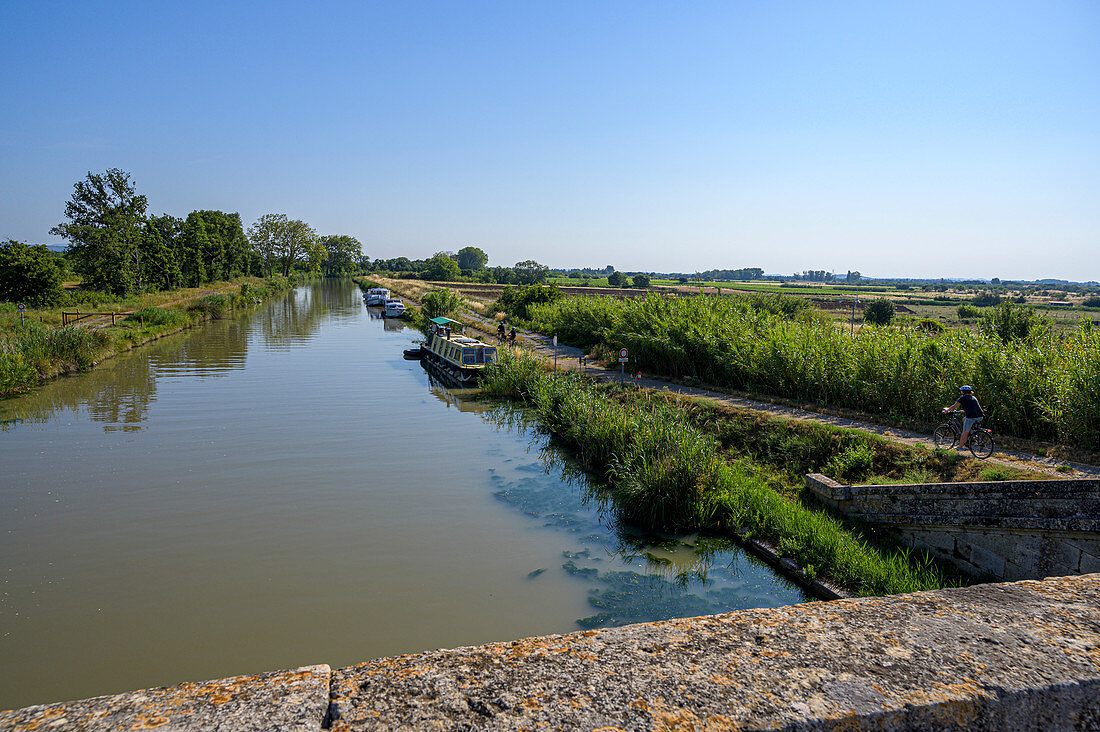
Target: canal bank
[{"x": 177, "y": 512}]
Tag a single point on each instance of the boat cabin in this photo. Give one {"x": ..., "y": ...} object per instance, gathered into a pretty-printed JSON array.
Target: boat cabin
[{"x": 456, "y": 355}]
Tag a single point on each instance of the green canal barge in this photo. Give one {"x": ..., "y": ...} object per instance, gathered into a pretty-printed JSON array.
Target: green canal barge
[{"x": 453, "y": 355}]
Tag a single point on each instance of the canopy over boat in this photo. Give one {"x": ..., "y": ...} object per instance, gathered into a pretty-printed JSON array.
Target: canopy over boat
[{"x": 443, "y": 322}]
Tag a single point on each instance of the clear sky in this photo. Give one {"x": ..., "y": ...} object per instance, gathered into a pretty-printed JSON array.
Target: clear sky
[{"x": 951, "y": 139}]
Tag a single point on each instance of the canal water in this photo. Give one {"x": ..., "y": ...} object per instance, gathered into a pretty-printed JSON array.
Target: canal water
[{"x": 284, "y": 489}]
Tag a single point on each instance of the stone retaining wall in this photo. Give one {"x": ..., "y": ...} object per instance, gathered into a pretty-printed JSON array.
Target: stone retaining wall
[
  {"x": 1010, "y": 530},
  {"x": 1023, "y": 656}
]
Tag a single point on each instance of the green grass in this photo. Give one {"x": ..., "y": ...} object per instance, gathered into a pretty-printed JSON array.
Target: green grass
[
  {"x": 39, "y": 349},
  {"x": 1045, "y": 388},
  {"x": 664, "y": 473}
]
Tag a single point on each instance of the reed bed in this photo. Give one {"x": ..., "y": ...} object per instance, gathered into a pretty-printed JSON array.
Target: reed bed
[
  {"x": 665, "y": 474},
  {"x": 1043, "y": 387}
]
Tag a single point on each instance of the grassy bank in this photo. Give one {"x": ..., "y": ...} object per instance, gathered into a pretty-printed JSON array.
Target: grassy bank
[
  {"x": 666, "y": 473},
  {"x": 42, "y": 348},
  {"x": 1038, "y": 388}
]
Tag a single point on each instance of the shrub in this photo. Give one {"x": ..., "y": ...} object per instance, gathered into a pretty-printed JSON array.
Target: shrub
[
  {"x": 641, "y": 281},
  {"x": 1091, "y": 302},
  {"x": 617, "y": 279},
  {"x": 156, "y": 317},
  {"x": 441, "y": 303},
  {"x": 518, "y": 302},
  {"x": 879, "y": 312},
  {"x": 928, "y": 325},
  {"x": 1009, "y": 322},
  {"x": 968, "y": 312},
  {"x": 986, "y": 299},
  {"x": 30, "y": 274}
]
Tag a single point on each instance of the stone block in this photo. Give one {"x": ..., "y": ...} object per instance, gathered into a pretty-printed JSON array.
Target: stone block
[{"x": 290, "y": 701}]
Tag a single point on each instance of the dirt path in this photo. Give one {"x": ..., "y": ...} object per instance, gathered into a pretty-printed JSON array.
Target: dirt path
[{"x": 568, "y": 358}]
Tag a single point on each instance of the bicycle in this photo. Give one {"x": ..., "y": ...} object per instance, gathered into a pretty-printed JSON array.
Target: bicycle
[{"x": 947, "y": 436}]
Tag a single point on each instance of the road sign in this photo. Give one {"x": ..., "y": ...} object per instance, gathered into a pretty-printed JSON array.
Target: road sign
[
  {"x": 555, "y": 339},
  {"x": 22, "y": 307},
  {"x": 622, "y": 353},
  {"x": 623, "y": 360}
]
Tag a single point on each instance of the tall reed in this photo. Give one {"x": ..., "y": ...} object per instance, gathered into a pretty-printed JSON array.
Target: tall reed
[
  {"x": 664, "y": 473},
  {"x": 1040, "y": 387}
]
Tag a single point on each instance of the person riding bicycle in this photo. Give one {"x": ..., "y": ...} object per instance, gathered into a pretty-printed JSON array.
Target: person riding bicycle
[
  {"x": 972, "y": 412},
  {"x": 501, "y": 333}
]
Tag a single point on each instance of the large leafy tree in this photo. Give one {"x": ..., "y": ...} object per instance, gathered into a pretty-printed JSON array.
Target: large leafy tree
[
  {"x": 343, "y": 254},
  {"x": 264, "y": 235},
  {"x": 105, "y": 228},
  {"x": 30, "y": 274},
  {"x": 529, "y": 272},
  {"x": 472, "y": 258},
  {"x": 441, "y": 268},
  {"x": 300, "y": 242},
  {"x": 161, "y": 247}
]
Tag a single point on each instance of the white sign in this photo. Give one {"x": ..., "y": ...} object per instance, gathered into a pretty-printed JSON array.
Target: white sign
[
  {"x": 555, "y": 339},
  {"x": 622, "y": 353},
  {"x": 623, "y": 360}
]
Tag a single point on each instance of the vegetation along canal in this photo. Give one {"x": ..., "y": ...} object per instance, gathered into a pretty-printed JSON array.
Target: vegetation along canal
[{"x": 283, "y": 489}]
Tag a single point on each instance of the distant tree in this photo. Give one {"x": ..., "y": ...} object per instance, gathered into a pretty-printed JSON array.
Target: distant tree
[
  {"x": 441, "y": 268},
  {"x": 879, "y": 312},
  {"x": 161, "y": 247},
  {"x": 30, "y": 274},
  {"x": 342, "y": 254},
  {"x": 529, "y": 272},
  {"x": 995, "y": 281},
  {"x": 641, "y": 281},
  {"x": 472, "y": 258},
  {"x": 607, "y": 270},
  {"x": 504, "y": 275},
  {"x": 683, "y": 280},
  {"x": 105, "y": 226},
  {"x": 1011, "y": 322},
  {"x": 264, "y": 235},
  {"x": 617, "y": 279},
  {"x": 194, "y": 245},
  {"x": 986, "y": 299},
  {"x": 853, "y": 276}
]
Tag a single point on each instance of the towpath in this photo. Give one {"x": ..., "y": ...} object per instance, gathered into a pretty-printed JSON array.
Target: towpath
[{"x": 568, "y": 358}]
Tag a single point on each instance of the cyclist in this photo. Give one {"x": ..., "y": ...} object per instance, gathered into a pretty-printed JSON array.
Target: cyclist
[{"x": 972, "y": 412}]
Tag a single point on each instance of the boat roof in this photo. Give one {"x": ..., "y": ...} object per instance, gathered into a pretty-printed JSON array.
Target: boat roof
[{"x": 443, "y": 321}]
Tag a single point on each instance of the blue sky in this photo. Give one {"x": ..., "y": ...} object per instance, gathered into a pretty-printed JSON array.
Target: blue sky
[{"x": 949, "y": 139}]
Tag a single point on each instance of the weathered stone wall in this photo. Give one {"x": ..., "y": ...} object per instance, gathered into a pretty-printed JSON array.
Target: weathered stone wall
[
  {"x": 1007, "y": 657},
  {"x": 1010, "y": 530}
]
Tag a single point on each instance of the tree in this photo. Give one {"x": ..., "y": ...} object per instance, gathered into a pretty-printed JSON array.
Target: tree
[
  {"x": 30, "y": 274},
  {"x": 343, "y": 254},
  {"x": 530, "y": 272},
  {"x": 852, "y": 276},
  {"x": 641, "y": 281},
  {"x": 264, "y": 236},
  {"x": 106, "y": 218},
  {"x": 161, "y": 247},
  {"x": 441, "y": 268},
  {"x": 617, "y": 279},
  {"x": 472, "y": 258},
  {"x": 879, "y": 312}
]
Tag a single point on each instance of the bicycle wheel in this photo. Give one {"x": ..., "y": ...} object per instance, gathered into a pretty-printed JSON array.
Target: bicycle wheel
[
  {"x": 944, "y": 436},
  {"x": 981, "y": 444}
]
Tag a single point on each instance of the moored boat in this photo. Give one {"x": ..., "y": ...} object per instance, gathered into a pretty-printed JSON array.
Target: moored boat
[
  {"x": 393, "y": 309},
  {"x": 453, "y": 355},
  {"x": 376, "y": 296}
]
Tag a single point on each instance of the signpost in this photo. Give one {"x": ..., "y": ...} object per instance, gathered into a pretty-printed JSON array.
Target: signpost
[
  {"x": 555, "y": 352},
  {"x": 622, "y": 366},
  {"x": 22, "y": 309}
]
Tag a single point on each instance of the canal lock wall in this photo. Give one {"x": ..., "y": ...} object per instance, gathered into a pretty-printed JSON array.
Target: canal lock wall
[
  {"x": 1014, "y": 656},
  {"x": 1004, "y": 530}
]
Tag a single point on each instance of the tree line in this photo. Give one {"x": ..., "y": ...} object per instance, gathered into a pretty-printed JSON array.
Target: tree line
[{"x": 117, "y": 247}]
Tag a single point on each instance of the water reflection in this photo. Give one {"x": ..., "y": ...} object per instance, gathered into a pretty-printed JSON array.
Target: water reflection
[{"x": 632, "y": 575}]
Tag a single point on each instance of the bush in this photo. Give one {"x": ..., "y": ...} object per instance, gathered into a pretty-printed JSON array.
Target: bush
[
  {"x": 517, "y": 302},
  {"x": 928, "y": 325},
  {"x": 641, "y": 281},
  {"x": 986, "y": 299},
  {"x": 1010, "y": 322},
  {"x": 968, "y": 312},
  {"x": 441, "y": 303},
  {"x": 617, "y": 279},
  {"x": 441, "y": 268},
  {"x": 1091, "y": 302},
  {"x": 29, "y": 274},
  {"x": 879, "y": 312}
]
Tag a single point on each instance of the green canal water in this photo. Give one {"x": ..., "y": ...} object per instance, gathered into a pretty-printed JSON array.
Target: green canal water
[{"x": 284, "y": 489}]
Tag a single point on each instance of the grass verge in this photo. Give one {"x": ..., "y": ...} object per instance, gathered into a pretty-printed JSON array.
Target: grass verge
[{"x": 665, "y": 473}]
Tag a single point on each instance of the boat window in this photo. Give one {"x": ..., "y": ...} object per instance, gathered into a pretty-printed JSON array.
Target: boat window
[
  {"x": 469, "y": 356},
  {"x": 490, "y": 355}
]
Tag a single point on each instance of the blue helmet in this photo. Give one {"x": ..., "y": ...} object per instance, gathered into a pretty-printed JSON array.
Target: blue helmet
[{"x": 966, "y": 389}]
